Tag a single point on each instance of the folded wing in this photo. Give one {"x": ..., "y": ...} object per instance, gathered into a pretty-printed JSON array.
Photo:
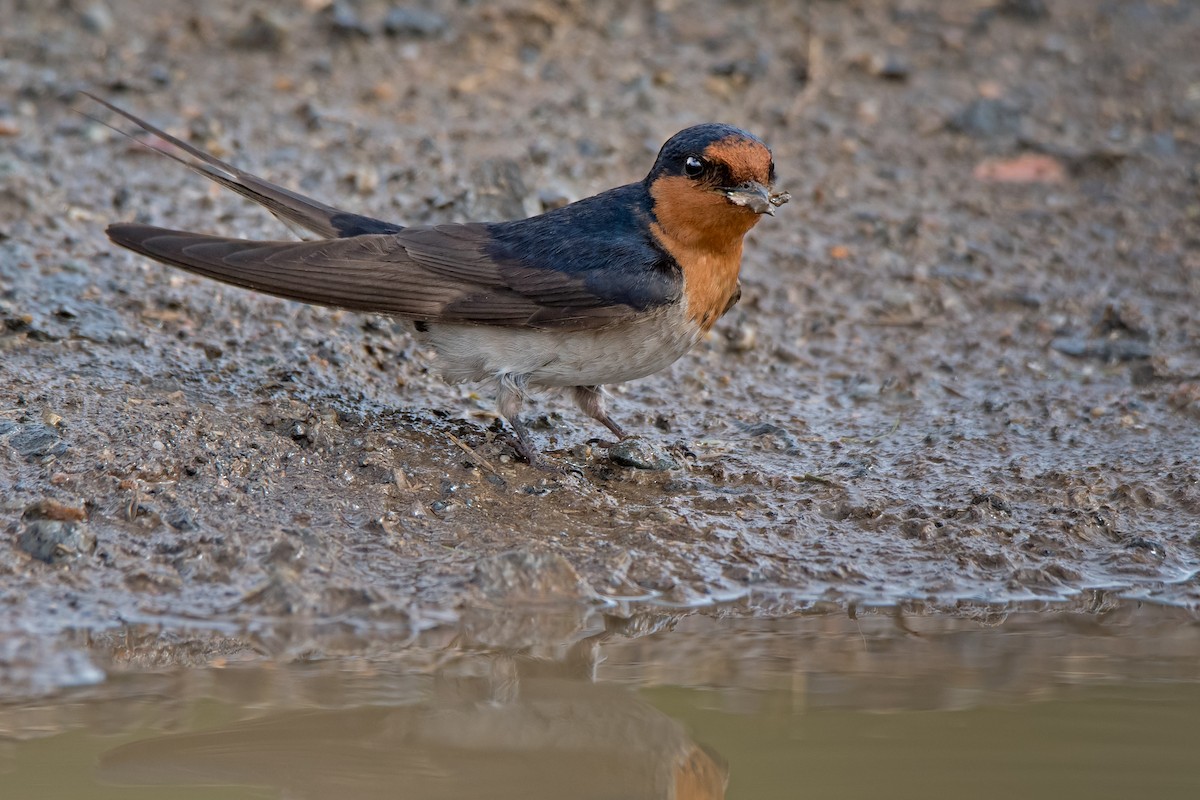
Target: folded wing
[{"x": 434, "y": 274}]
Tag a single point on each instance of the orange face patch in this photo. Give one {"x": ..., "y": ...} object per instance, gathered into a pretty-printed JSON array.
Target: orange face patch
[
  {"x": 703, "y": 231},
  {"x": 747, "y": 160}
]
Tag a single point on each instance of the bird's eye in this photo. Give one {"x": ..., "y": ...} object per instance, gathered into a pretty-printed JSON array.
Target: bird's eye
[{"x": 692, "y": 166}]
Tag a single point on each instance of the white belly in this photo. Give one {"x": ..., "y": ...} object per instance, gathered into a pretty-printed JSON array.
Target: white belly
[{"x": 622, "y": 352}]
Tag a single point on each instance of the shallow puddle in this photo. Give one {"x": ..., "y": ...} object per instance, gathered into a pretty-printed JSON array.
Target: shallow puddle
[{"x": 1060, "y": 702}]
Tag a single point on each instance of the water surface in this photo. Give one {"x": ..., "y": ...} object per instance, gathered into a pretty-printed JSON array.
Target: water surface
[{"x": 1059, "y": 703}]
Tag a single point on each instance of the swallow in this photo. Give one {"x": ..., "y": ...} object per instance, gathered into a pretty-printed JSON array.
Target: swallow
[{"x": 604, "y": 290}]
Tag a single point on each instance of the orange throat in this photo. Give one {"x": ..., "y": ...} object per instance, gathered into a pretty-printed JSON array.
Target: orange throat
[{"x": 704, "y": 233}]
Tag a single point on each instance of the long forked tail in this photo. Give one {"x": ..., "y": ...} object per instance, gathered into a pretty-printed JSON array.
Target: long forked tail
[{"x": 326, "y": 221}]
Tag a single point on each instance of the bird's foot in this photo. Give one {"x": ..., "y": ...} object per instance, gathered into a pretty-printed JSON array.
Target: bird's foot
[{"x": 527, "y": 450}]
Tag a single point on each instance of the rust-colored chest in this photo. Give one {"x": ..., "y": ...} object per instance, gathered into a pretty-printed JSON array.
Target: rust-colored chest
[
  {"x": 703, "y": 233},
  {"x": 710, "y": 280}
]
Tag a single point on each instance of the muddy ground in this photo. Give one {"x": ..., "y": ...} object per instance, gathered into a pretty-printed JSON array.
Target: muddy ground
[{"x": 965, "y": 369}]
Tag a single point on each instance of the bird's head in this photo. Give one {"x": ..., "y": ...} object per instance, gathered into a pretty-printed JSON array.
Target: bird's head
[{"x": 713, "y": 181}]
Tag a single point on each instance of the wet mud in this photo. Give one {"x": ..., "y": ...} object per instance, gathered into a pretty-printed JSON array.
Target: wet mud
[{"x": 964, "y": 371}]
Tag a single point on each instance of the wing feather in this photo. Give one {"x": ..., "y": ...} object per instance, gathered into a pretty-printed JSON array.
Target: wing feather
[{"x": 438, "y": 274}]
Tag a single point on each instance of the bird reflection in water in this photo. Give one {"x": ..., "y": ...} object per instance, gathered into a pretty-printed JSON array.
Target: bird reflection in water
[{"x": 521, "y": 727}]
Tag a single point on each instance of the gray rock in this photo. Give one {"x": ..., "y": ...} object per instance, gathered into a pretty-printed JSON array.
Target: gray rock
[
  {"x": 986, "y": 118},
  {"x": 97, "y": 19},
  {"x": 1026, "y": 10},
  {"x": 36, "y": 441},
  {"x": 414, "y": 22},
  {"x": 344, "y": 21},
  {"x": 50, "y": 533},
  {"x": 264, "y": 31},
  {"x": 641, "y": 453},
  {"x": 1107, "y": 350}
]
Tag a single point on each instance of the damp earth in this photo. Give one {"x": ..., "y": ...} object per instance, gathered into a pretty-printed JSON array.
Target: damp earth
[{"x": 964, "y": 372}]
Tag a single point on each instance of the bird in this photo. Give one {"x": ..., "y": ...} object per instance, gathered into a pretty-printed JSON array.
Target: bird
[{"x": 604, "y": 290}]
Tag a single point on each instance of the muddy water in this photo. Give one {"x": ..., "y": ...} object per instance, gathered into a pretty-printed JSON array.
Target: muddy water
[{"x": 1093, "y": 701}]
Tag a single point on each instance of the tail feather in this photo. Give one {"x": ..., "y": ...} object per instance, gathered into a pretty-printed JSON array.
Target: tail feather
[
  {"x": 326, "y": 221},
  {"x": 277, "y": 268}
]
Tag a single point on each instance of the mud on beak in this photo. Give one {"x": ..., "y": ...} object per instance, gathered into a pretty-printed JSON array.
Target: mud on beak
[{"x": 756, "y": 197}]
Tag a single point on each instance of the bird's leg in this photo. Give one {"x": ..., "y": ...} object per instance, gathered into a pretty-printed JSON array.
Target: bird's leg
[
  {"x": 590, "y": 400},
  {"x": 509, "y": 399}
]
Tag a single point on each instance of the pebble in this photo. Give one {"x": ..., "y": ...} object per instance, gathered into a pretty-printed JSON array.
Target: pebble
[
  {"x": 742, "y": 70},
  {"x": 99, "y": 323},
  {"x": 181, "y": 519},
  {"x": 53, "y": 532},
  {"x": 415, "y": 22},
  {"x": 264, "y": 31},
  {"x": 1022, "y": 169},
  {"x": 889, "y": 66},
  {"x": 742, "y": 338},
  {"x": 778, "y": 432},
  {"x": 38, "y": 441},
  {"x": 552, "y": 198},
  {"x": 97, "y": 19},
  {"x": 987, "y": 117},
  {"x": 1027, "y": 10},
  {"x": 344, "y": 21},
  {"x": 640, "y": 453},
  {"x": 1107, "y": 350}
]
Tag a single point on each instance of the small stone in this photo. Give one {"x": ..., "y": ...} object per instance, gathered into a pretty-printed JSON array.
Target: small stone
[
  {"x": 1105, "y": 349},
  {"x": 344, "y": 21},
  {"x": 986, "y": 118},
  {"x": 742, "y": 70},
  {"x": 97, "y": 19},
  {"x": 96, "y": 323},
  {"x": 640, "y": 453},
  {"x": 550, "y": 199},
  {"x": 54, "y": 532},
  {"x": 414, "y": 22},
  {"x": 181, "y": 519},
  {"x": 364, "y": 178},
  {"x": 742, "y": 338},
  {"x": 1025, "y": 168},
  {"x": 38, "y": 441},
  {"x": 264, "y": 31},
  {"x": 889, "y": 66},
  {"x": 1026, "y": 10}
]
